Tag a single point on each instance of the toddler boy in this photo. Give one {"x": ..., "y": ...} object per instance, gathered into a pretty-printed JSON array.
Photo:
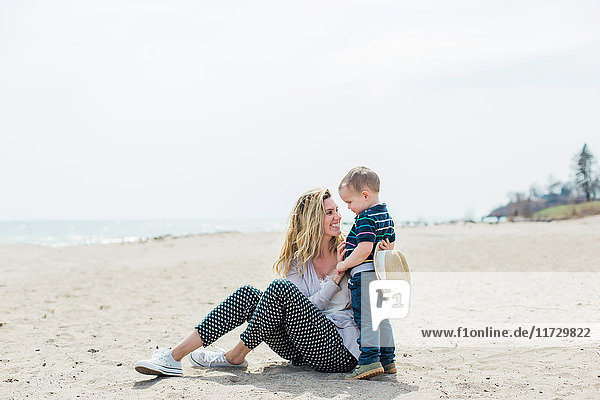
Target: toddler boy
[{"x": 360, "y": 190}]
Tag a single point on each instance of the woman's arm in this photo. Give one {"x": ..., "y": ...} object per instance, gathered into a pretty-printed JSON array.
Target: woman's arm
[{"x": 321, "y": 295}]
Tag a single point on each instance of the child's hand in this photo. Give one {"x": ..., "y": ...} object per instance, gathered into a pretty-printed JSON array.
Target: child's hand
[
  {"x": 341, "y": 250},
  {"x": 386, "y": 245}
]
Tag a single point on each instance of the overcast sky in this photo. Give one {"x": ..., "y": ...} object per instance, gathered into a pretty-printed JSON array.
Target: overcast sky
[{"x": 229, "y": 109}]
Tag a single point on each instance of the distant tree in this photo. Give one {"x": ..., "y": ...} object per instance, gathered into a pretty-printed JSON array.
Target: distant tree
[
  {"x": 535, "y": 192},
  {"x": 516, "y": 197},
  {"x": 585, "y": 176}
]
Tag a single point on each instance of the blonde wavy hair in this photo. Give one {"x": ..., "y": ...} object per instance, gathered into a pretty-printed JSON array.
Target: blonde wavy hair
[{"x": 305, "y": 232}]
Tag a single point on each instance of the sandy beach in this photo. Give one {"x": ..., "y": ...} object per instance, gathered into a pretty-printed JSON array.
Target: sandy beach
[{"x": 73, "y": 320}]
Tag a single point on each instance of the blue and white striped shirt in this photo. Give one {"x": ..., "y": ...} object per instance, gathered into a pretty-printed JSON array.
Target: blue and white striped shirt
[{"x": 371, "y": 225}]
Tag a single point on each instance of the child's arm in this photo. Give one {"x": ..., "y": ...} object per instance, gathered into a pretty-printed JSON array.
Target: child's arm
[{"x": 359, "y": 255}]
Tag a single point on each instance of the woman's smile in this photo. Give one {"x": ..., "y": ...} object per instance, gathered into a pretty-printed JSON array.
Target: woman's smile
[{"x": 332, "y": 219}]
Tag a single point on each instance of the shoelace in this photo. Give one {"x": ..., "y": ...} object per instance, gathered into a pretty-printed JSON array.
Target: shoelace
[
  {"x": 217, "y": 357},
  {"x": 159, "y": 353}
]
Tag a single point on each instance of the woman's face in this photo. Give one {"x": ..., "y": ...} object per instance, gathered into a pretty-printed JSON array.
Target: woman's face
[{"x": 331, "y": 223}]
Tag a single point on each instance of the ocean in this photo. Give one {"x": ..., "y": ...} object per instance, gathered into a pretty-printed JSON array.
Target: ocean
[{"x": 81, "y": 232}]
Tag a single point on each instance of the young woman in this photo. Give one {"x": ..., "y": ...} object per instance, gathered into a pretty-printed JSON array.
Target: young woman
[{"x": 306, "y": 317}]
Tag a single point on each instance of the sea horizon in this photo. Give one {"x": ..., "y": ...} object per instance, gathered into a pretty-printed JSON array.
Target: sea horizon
[
  {"x": 61, "y": 233},
  {"x": 74, "y": 232}
]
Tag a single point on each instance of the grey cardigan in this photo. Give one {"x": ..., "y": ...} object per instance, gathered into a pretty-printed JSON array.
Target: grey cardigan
[{"x": 332, "y": 299}]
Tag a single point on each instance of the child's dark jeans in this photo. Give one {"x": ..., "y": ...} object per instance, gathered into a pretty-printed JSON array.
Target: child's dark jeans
[{"x": 374, "y": 345}]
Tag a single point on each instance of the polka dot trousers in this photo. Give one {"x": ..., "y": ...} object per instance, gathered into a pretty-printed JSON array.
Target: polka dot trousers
[{"x": 286, "y": 321}]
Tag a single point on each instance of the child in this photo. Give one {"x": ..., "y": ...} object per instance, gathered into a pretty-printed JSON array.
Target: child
[{"x": 360, "y": 190}]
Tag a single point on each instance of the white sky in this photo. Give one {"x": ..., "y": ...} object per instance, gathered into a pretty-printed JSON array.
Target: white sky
[{"x": 195, "y": 109}]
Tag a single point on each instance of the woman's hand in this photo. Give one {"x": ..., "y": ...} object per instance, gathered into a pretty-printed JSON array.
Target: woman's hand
[
  {"x": 341, "y": 250},
  {"x": 337, "y": 278},
  {"x": 386, "y": 245}
]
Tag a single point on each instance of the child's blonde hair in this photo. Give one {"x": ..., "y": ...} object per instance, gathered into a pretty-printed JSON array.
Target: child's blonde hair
[
  {"x": 305, "y": 232},
  {"x": 361, "y": 178}
]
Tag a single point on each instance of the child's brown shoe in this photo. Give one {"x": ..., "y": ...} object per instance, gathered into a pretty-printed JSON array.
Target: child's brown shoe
[
  {"x": 366, "y": 371},
  {"x": 390, "y": 368}
]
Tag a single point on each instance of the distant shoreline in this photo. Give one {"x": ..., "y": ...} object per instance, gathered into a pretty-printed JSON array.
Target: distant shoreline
[
  {"x": 143, "y": 238},
  {"x": 82, "y": 232}
]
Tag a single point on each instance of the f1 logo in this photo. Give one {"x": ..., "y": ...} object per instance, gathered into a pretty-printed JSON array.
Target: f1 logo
[
  {"x": 381, "y": 298},
  {"x": 389, "y": 299}
]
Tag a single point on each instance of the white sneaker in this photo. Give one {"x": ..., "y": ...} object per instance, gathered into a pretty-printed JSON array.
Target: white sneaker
[
  {"x": 207, "y": 358},
  {"x": 162, "y": 363}
]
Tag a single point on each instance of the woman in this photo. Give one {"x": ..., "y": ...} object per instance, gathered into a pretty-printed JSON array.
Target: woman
[{"x": 305, "y": 318}]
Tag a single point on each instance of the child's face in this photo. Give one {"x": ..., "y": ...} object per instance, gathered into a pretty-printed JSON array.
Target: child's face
[{"x": 357, "y": 201}]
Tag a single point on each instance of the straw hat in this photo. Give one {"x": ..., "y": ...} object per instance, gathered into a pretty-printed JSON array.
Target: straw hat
[{"x": 391, "y": 265}]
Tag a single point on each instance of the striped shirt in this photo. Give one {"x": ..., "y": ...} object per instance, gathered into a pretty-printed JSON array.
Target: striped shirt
[{"x": 371, "y": 225}]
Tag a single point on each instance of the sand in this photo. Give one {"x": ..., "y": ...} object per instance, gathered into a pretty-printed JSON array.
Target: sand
[{"x": 75, "y": 319}]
